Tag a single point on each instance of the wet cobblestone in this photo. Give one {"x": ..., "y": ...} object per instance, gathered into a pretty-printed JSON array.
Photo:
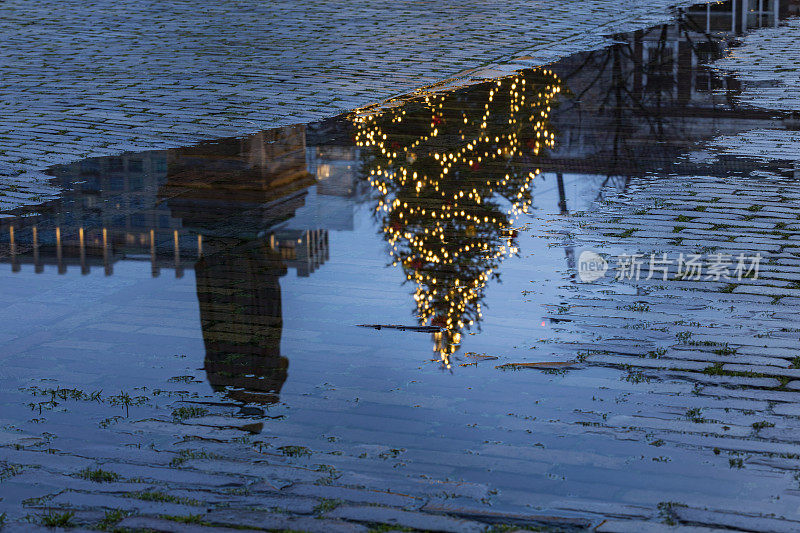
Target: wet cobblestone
[
  {"x": 750, "y": 323},
  {"x": 82, "y": 79},
  {"x": 771, "y": 76},
  {"x": 638, "y": 406}
]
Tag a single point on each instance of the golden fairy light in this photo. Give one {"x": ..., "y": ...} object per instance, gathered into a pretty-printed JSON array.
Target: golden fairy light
[{"x": 451, "y": 173}]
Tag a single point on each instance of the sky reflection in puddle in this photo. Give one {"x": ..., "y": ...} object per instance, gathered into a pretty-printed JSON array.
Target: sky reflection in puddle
[
  {"x": 458, "y": 188},
  {"x": 243, "y": 266}
]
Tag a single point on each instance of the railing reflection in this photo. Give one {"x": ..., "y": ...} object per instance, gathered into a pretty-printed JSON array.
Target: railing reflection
[{"x": 240, "y": 212}]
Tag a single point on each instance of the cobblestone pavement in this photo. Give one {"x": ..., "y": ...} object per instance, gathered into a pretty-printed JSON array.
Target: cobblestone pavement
[
  {"x": 650, "y": 405},
  {"x": 770, "y": 75},
  {"x": 732, "y": 343},
  {"x": 82, "y": 79},
  {"x": 769, "y": 71}
]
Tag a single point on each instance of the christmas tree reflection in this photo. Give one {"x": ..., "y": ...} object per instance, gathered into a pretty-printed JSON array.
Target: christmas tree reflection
[{"x": 450, "y": 174}]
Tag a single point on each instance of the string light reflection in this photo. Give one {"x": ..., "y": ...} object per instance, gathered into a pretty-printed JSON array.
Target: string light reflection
[{"x": 451, "y": 173}]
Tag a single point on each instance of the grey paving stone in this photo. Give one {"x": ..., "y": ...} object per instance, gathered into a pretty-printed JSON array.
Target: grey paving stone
[
  {"x": 159, "y": 524},
  {"x": 172, "y": 475},
  {"x": 56, "y": 462},
  {"x": 27, "y": 527},
  {"x": 86, "y": 500},
  {"x": 386, "y": 515},
  {"x": 509, "y": 519},
  {"x": 354, "y": 495},
  {"x": 733, "y": 520},
  {"x": 642, "y": 526},
  {"x": 182, "y": 70},
  {"x": 265, "y": 520}
]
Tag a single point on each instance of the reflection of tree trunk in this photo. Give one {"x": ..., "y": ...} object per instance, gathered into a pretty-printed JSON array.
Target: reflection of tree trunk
[
  {"x": 240, "y": 312},
  {"x": 638, "y": 65},
  {"x": 562, "y": 194},
  {"x": 684, "y": 73},
  {"x": 619, "y": 82}
]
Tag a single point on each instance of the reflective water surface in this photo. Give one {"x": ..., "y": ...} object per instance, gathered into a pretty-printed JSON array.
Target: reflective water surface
[{"x": 358, "y": 284}]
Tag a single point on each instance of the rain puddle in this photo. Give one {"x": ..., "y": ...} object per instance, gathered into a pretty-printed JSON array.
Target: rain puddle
[{"x": 385, "y": 289}]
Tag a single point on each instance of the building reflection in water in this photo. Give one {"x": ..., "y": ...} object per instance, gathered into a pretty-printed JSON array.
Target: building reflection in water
[
  {"x": 240, "y": 312},
  {"x": 229, "y": 192},
  {"x": 638, "y": 105},
  {"x": 445, "y": 174},
  {"x": 240, "y": 212}
]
